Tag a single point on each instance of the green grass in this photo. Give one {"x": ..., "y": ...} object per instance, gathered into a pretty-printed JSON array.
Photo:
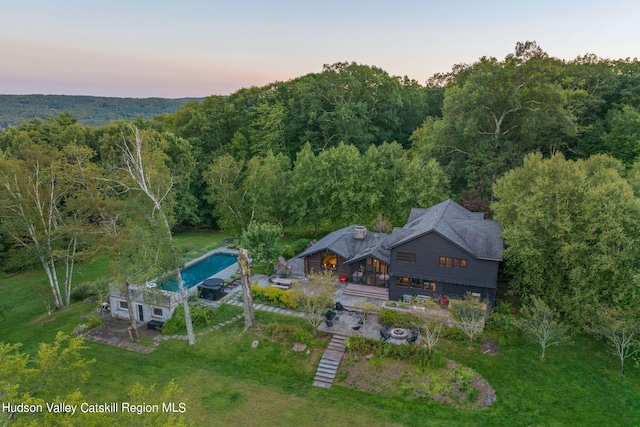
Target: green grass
[
  {"x": 192, "y": 244},
  {"x": 228, "y": 383}
]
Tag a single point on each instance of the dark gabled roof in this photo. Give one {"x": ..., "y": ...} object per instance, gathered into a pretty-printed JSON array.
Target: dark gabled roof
[
  {"x": 343, "y": 243},
  {"x": 468, "y": 230}
]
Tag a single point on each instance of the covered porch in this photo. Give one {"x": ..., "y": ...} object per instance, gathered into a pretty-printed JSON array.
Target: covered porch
[{"x": 369, "y": 271}]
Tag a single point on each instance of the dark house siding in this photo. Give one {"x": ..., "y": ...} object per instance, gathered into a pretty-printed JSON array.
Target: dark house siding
[{"x": 479, "y": 276}]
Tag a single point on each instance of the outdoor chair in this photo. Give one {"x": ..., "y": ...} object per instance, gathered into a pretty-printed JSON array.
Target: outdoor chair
[
  {"x": 330, "y": 315},
  {"x": 384, "y": 334},
  {"x": 339, "y": 306},
  {"x": 413, "y": 337},
  {"x": 329, "y": 323}
]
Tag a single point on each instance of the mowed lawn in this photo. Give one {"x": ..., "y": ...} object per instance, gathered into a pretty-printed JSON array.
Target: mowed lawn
[{"x": 226, "y": 382}]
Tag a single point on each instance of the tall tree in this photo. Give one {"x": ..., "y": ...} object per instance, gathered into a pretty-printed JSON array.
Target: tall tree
[
  {"x": 495, "y": 112},
  {"x": 570, "y": 233},
  {"x": 147, "y": 172},
  {"x": 243, "y": 192},
  {"x": 36, "y": 190}
]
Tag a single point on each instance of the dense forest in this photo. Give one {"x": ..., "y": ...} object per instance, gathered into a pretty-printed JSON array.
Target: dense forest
[
  {"x": 89, "y": 110},
  {"x": 352, "y": 144}
]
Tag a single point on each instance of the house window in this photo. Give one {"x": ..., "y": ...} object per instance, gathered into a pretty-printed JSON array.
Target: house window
[
  {"x": 122, "y": 305},
  {"x": 329, "y": 261},
  {"x": 157, "y": 312},
  {"x": 406, "y": 256},
  {"x": 402, "y": 281},
  {"x": 429, "y": 285},
  {"x": 416, "y": 283},
  {"x": 449, "y": 262}
]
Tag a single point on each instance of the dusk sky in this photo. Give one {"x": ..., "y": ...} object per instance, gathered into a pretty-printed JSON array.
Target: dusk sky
[{"x": 149, "y": 48}]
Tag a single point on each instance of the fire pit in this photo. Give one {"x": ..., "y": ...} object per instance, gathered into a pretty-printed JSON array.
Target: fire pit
[{"x": 399, "y": 333}]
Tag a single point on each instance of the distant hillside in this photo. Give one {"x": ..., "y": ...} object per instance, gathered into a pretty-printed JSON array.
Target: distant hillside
[{"x": 89, "y": 110}]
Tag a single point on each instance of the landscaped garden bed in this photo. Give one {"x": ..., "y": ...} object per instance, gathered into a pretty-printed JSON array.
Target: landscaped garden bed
[{"x": 406, "y": 371}]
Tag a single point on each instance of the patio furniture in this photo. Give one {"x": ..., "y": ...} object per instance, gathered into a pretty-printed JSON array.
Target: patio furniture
[
  {"x": 339, "y": 306},
  {"x": 330, "y": 315},
  {"x": 413, "y": 337},
  {"x": 281, "y": 283},
  {"x": 384, "y": 334},
  {"x": 329, "y": 323},
  {"x": 155, "y": 325},
  {"x": 211, "y": 289}
]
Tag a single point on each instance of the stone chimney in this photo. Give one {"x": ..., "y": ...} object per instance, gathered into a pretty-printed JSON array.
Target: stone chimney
[{"x": 359, "y": 232}]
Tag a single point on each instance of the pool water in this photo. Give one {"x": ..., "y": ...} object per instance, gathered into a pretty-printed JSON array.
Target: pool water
[{"x": 196, "y": 273}]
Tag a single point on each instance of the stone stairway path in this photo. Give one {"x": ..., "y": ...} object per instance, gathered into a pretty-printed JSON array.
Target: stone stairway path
[{"x": 328, "y": 366}]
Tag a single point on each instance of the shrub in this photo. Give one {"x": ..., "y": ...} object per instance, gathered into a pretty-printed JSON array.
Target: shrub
[
  {"x": 454, "y": 334},
  {"x": 82, "y": 291},
  {"x": 293, "y": 249},
  {"x": 405, "y": 352},
  {"x": 279, "y": 331},
  {"x": 361, "y": 345},
  {"x": 201, "y": 315},
  {"x": 257, "y": 293},
  {"x": 273, "y": 294},
  {"x": 94, "y": 322},
  {"x": 502, "y": 327},
  {"x": 398, "y": 319},
  {"x": 303, "y": 337},
  {"x": 290, "y": 298}
]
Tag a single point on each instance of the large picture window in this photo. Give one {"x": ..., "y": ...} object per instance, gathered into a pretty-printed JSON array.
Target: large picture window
[{"x": 329, "y": 261}]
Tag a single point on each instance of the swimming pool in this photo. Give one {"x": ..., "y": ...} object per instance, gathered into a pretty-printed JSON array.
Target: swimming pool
[{"x": 197, "y": 272}]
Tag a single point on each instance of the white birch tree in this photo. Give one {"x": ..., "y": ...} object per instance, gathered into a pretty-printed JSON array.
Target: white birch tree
[
  {"x": 34, "y": 190},
  {"x": 147, "y": 173}
]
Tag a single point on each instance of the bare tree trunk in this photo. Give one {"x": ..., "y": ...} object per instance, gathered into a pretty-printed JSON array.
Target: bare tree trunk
[
  {"x": 70, "y": 260},
  {"x": 136, "y": 169},
  {"x": 247, "y": 300},
  {"x": 132, "y": 315},
  {"x": 185, "y": 304},
  {"x": 184, "y": 293}
]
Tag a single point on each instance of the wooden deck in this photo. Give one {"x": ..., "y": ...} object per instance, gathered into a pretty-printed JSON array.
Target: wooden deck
[{"x": 367, "y": 291}]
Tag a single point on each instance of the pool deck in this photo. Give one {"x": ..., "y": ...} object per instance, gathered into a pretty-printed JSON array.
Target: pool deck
[{"x": 223, "y": 250}]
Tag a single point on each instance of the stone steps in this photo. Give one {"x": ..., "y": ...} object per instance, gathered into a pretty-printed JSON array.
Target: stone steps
[{"x": 330, "y": 361}]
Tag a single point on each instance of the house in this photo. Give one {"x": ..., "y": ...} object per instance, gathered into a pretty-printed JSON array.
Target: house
[
  {"x": 149, "y": 303},
  {"x": 445, "y": 250}
]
